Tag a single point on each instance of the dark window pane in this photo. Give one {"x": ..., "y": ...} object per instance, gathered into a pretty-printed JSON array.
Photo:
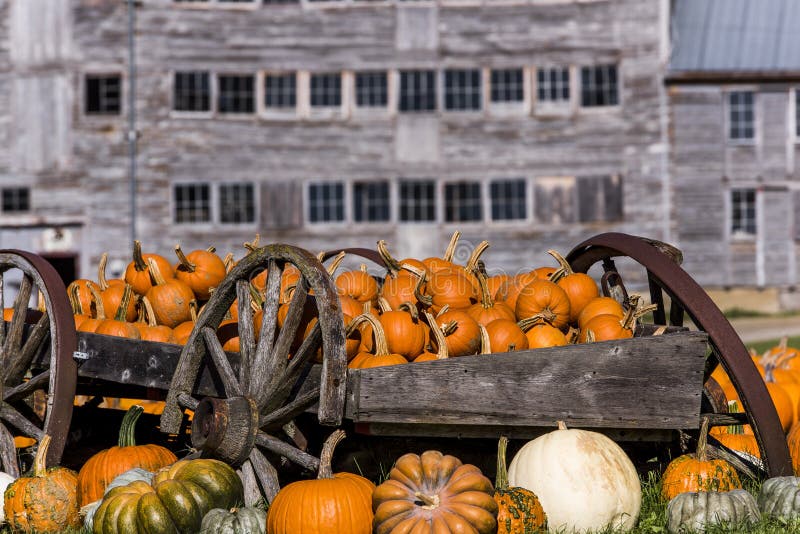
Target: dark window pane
[
  {"x": 507, "y": 85},
  {"x": 192, "y": 203},
  {"x": 417, "y": 90},
  {"x": 509, "y": 199},
  {"x": 280, "y": 90},
  {"x": 326, "y": 202},
  {"x": 371, "y": 89},
  {"x": 599, "y": 86},
  {"x": 462, "y": 90},
  {"x": 417, "y": 200},
  {"x": 236, "y": 94},
  {"x": 237, "y": 203},
  {"x": 16, "y": 199},
  {"x": 741, "y": 115},
  {"x": 326, "y": 90},
  {"x": 192, "y": 91},
  {"x": 462, "y": 202},
  {"x": 103, "y": 94},
  {"x": 371, "y": 201}
]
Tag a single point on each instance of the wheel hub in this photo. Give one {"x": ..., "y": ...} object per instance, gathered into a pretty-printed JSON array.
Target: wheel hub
[{"x": 225, "y": 428}]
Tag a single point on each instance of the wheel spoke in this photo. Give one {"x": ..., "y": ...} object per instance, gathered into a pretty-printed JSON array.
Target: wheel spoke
[
  {"x": 266, "y": 473},
  {"x": 26, "y": 388},
  {"x": 269, "y": 323},
  {"x": 187, "y": 401},
  {"x": 14, "y": 338},
  {"x": 676, "y": 313},
  {"x": 38, "y": 337},
  {"x": 8, "y": 454},
  {"x": 9, "y": 414},
  {"x": 2, "y": 308},
  {"x": 221, "y": 362},
  {"x": 657, "y": 298},
  {"x": 252, "y": 494},
  {"x": 288, "y": 412},
  {"x": 282, "y": 448},
  {"x": 247, "y": 338},
  {"x": 280, "y": 387}
]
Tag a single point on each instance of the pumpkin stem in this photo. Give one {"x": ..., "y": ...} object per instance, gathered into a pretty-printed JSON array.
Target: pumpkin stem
[
  {"x": 561, "y": 425},
  {"x": 472, "y": 262},
  {"x": 733, "y": 407},
  {"x": 702, "y": 441},
  {"x": 252, "y": 245},
  {"x": 229, "y": 262},
  {"x": 380, "y": 347},
  {"x": 411, "y": 309},
  {"x": 101, "y": 272},
  {"x": 155, "y": 274},
  {"x": 430, "y": 502},
  {"x": 325, "y": 458},
  {"x": 438, "y": 336},
  {"x": 211, "y": 250},
  {"x": 544, "y": 316},
  {"x": 40, "y": 460},
  {"x": 449, "y": 328},
  {"x": 486, "y": 296},
  {"x": 392, "y": 265},
  {"x": 451, "y": 247},
  {"x": 564, "y": 268},
  {"x": 486, "y": 342},
  {"x": 100, "y": 311},
  {"x": 138, "y": 259},
  {"x": 127, "y": 430},
  {"x": 501, "y": 481},
  {"x": 185, "y": 264},
  {"x": 426, "y": 300},
  {"x": 149, "y": 313},
  {"x": 193, "y": 310},
  {"x": 74, "y": 299},
  {"x": 122, "y": 310},
  {"x": 337, "y": 261},
  {"x": 383, "y": 305}
]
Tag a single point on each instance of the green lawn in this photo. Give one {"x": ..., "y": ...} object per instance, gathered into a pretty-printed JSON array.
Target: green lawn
[{"x": 761, "y": 346}]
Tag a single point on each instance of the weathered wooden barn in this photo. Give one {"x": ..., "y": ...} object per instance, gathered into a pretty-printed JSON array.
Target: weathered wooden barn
[{"x": 532, "y": 123}]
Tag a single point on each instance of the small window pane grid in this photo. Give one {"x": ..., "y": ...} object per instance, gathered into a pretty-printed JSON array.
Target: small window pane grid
[
  {"x": 599, "y": 86},
  {"x": 103, "y": 94},
  {"x": 417, "y": 91},
  {"x": 372, "y": 89},
  {"x": 237, "y": 203},
  {"x": 462, "y": 90},
  {"x": 743, "y": 212},
  {"x": 192, "y": 91},
  {"x": 508, "y": 199},
  {"x": 371, "y": 202},
  {"x": 417, "y": 200},
  {"x": 741, "y": 118},
  {"x": 16, "y": 199},
  {"x": 280, "y": 90},
  {"x": 507, "y": 85},
  {"x": 462, "y": 202},
  {"x": 192, "y": 203},
  {"x": 326, "y": 90},
  {"x": 326, "y": 202},
  {"x": 236, "y": 93},
  {"x": 552, "y": 84}
]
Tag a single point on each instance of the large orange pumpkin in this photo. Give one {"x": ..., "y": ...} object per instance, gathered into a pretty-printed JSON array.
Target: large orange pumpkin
[
  {"x": 201, "y": 270},
  {"x": 505, "y": 336},
  {"x": 98, "y": 472},
  {"x": 45, "y": 502},
  {"x": 695, "y": 472},
  {"x": 600, "y": 306},
  {"x": 118, "y": 325},
  {"x": 137, "y": 273},
  {"x": 434, "y": 493},
  {"x": 543, "y": 298},
  {"x": 170, "y": 298},
  {"x": 541, "y": 335},
  {"x": 332, "y": 503},
  {"x": 359, "y": 285},
  {"x": 380, "y": 355},
  {"x": 405, "y": 333},
  {"x": 464, "y": 337},
  {"x": 734, "y": 436}
]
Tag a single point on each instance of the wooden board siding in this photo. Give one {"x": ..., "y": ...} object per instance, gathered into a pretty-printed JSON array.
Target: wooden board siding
[{"x": 621, "y": 141}]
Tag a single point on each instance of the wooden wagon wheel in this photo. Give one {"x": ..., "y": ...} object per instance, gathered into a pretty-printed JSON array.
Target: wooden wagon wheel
[
  {"x": 37, "y": 370},
  {"x": 267, "y": 391},
  {"x": 665, "y": 276}
]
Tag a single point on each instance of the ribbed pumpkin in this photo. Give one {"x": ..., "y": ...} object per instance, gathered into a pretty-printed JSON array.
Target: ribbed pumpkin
[
  {"x": 359, "y": 285},
  {"x": 405, "y": 333},
  {"x": 201, "y": 270},
  {"x": 184, "y": 330},
  {"x": 45, "y": 502},
  {"x": 434, "y": 493},
  {"x": 104, "y": 466},
  {"x": 542, "y": 335},
  {"x": 519, "y": 510},
  {"x": 176, "y": 500},
  {"x": 90, "y": 324},
  {"x": 543, "y": 298},
  {"x": 380, "y": 355},
  {"x": 600, "y": 306},
  {"x": 137, "y": 273},
  {"x": 608, "y": 327},
  {"x": 695, "y": 472},
  {"x": 734, "y": 436},
  {"x": 487, "y": 310},
  {"x": 505, "y": 336},
  {"x": 149, "y": 329},
  {"x": 247, "y": 520},
  {"x": 111, "y": 291},
  {"x": 793, "y": 440},
  {"x": 81, "y": 288},
  {"x": 464, "y": 337},
  {"x": 510, "y": 291},
  {"x": 118, "y": 325},
  {"x": 170, "y": 298},
  {"x": 332, "y": 503},
  {"x": 579, "y": 287}
]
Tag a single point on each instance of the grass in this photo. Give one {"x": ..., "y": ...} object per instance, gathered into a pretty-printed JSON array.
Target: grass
[{"x": 762, "y": 346}]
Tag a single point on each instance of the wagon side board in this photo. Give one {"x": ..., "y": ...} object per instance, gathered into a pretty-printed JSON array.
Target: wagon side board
[{"x": 647, "y": 383}]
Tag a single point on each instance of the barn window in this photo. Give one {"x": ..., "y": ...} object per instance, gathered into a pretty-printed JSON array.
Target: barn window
[
  {"x": 192, "y": 203},
  {"x": 741, "y": 115},
  {"x": 462, "y": 202},
  {"x": 417, "y": 200},
  {"x": 462, "y": 89},
  {"x": 236, "y": 93},
  {"x": 417, "y": 90},
  {"x": 103, "y": 94},
  {"x": 326, "y": 90},
  {"x": 508, "y": 199},
  {"x": 371, "y": 201},
  {"x": 326, "y": 202},
  {"x": 372, "y": 89},
  {"x": 743, "y": 212},
  {"x": 16, "y": 199},
  {"x": 192, "y": 91},
  {"x": 280, "y": 90},
  {"x": 237, "y": 203},
  {"x": 582, "y": 199},
  {"x": 552, "y": 84},
  {"x": 506, "y": 85},
  {"x": 797, "y": 112},
  {"x": 599, "y": 86}
]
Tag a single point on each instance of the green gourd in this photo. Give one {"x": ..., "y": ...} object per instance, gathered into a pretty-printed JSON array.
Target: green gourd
[
  {"x": 247, "y": 520},
  {"x": 780, "y": 497},
  {"x": 694, "y": 511}
]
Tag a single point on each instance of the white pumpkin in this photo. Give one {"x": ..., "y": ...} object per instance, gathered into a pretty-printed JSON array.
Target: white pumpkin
[
  {"x": 583, "y": 479},
  {"x": 5, "y": 480}
]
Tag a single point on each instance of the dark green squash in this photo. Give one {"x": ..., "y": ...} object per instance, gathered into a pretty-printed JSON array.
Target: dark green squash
[
  {"x": 236, "y": 521},
  {"x": 175, "y": 502}
]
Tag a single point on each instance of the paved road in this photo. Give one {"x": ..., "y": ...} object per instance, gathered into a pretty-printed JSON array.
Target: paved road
[{"x": 764, "y": 328}]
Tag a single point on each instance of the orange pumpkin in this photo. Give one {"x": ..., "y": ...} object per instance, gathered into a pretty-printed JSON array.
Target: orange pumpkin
[
  {"x": 434, "y": 492},
  {"x": 543, "y": 298},
  {"x": 519, "y": 510},
  {"x": 184, "y": 330},
  {"x": 462, "y": 334},
  {"x": 600, "y": 306},
  {"x": 201, "y": 270},
  {"x": 83, "y": 289},
  {"x": 734, "y": 436},
  {"x": 118, "y": 325},
  {"x": 487, "y": 310},
  {"x": 579, "y": 287},
  {"x": 98, "y": 472},
  {"x": 793, "y": 440},
  {"x": 91, "y": 324},
  {"x": 45, "y": 502},
  {"x": 509, "y": 291},
  {"x": 380, "y": 355},
  {"x": 695, "y": 472},
  {"x": 170, "y": 298},
  {"x": 542, "y": 335},
  {"x": 360, "y": 285},
  {"x": 506, "y": 336},
  {"x": 149, "y": 330},
  {"x": 405, "y": 334},
  {"x": 445, "y": 263},
  {"x": 341, "y": 502},
  {"x": 137, "y": 274},
  {"x": 441, "y": 344}
]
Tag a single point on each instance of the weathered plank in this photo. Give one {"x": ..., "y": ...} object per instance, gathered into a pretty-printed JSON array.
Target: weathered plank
[{"x": 644, "y": 383}]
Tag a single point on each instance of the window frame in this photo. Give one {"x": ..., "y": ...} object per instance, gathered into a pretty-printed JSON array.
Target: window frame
[
  {"x": 482, "y": 198},
  {"x": 391, "y": 200},
  {"x": 235, "y": 115},
  {"x": 372, "y": 110},
  {"x": 442, "y": 91},
  {"x": 174, "y": 203},
  {"x": 278, "y": 113},
  {"x": 437, "y": 199},
  {"x": 543, "y": 107},
  {"x": 123, "y": 100},
  {"x": 29, "y": 193},
  {"x": 527, "y": 201},
  {"x": 256, "y": 204},
  {"x": 327, "y": 112},
  {"x": 215, "y": 220},
  {"x": 438, "y": 102},
  {"x": 726, "y": 105},
  {"x": 346, "y": 205},
  {"x": 739, "y": 236},
  {"x": 212, "y": 92},
  {"x": 578, "y": 92}
]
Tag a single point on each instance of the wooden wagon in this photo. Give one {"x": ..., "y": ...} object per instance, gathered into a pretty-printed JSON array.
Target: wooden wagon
[{"x": 245, "y": 404}]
